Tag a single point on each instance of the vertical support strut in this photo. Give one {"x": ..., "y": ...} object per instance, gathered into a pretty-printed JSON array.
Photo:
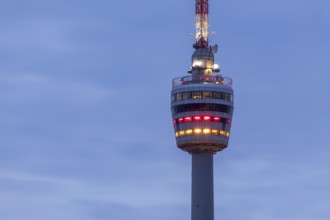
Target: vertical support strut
[
  {"x": 202, "y": 202},
  {"x": 202, "y": 23}
]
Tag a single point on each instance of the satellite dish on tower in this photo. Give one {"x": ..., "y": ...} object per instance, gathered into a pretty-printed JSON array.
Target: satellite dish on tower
[{"x": 214, "y": 48}]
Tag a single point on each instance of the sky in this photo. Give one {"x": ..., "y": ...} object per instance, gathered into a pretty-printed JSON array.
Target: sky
[{"x": 85, "y": 124}]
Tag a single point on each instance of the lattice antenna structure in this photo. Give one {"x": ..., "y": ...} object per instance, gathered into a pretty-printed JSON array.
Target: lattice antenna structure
[{"x": 202, "y": 23}]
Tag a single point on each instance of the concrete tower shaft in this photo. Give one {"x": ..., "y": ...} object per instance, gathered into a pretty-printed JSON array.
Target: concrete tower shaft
[{"x": 202, "y": 202}]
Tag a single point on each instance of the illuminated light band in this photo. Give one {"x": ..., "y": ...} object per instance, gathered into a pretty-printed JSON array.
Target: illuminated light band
[
  {"x": 205, "y": 118},
  {"x": 201, "y": 131}
]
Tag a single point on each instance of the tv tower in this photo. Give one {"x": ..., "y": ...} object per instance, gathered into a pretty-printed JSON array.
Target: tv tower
[{"x": 202, "y": 110}]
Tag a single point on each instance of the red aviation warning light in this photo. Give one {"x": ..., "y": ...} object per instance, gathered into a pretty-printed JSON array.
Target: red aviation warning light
[{"x": 202, "y": 23}]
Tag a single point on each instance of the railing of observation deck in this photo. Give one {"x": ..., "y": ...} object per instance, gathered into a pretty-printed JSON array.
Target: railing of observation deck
[{"x": 203, "y": 79}]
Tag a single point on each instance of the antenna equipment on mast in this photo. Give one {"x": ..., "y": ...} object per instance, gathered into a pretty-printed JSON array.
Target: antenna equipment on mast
[{"x": 202, "y": 23}]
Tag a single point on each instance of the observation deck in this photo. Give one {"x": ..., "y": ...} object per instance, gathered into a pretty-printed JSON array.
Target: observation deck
[
  {"x": 202, "y": 79},
  {"x": 202, "y": 107}
]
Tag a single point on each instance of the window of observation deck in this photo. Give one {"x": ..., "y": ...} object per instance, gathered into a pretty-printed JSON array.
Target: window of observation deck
[
  {"x": 202, "y": 107},
  {"x": 201, "y": 95},
  {"x": 207, "y": 95},
  {"x": 197, "y": 95}
]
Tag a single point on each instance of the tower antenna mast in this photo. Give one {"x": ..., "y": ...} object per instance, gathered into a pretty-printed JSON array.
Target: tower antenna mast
[{"x": 202, "y": 23}]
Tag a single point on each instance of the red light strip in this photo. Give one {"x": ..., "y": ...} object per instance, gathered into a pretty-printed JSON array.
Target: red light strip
[
  {"x": 188, "y": 119},
  {"x": 197, "y": 118}
]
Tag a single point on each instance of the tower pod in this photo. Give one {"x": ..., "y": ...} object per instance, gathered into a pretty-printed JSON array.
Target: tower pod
[{"x": 202, "y": 106}]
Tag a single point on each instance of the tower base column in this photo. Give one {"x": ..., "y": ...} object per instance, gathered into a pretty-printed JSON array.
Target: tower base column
[{"x": 202, "y": 202}]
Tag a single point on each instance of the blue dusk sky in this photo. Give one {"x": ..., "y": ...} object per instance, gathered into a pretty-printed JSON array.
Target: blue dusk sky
[{"x": 85, "y": 124}]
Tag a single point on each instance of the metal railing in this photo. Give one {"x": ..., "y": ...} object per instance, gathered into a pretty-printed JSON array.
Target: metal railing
[{"x": 203, "y": 79}]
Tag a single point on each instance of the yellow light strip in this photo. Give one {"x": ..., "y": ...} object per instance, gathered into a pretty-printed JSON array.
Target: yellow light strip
[
  {"x": 206, "y": 131},
  {"x": 215, "y": 132},
  {"x": 197, "y": 131},
  {"x": 200, "y": 131}
]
